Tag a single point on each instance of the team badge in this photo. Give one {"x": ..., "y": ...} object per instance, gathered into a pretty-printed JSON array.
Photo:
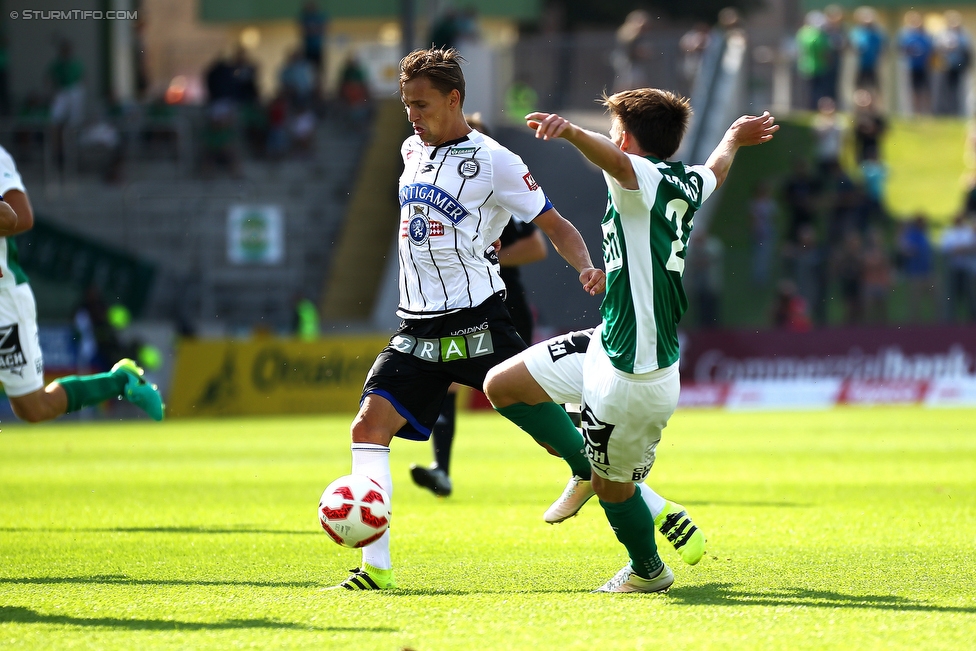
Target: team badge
[
  {"x": 469, "y": 168},
  {"x": 418, "y": 229}
]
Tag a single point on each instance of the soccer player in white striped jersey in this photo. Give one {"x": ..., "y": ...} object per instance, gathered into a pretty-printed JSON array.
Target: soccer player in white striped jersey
[
  {"x": 457, "y": 192},
  {"x": 627, "y": 379}
]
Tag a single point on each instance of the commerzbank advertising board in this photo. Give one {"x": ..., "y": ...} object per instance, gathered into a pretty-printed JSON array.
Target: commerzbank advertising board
[{"x": 934, "y": 366}]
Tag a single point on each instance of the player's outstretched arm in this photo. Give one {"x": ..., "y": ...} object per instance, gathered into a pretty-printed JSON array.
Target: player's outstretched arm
[
  {"x": 598, "y": 149},
  {"x": 570, "y": 245},
  {"x": 748, "y": 130},
  {"x": 16, "y": 214}
]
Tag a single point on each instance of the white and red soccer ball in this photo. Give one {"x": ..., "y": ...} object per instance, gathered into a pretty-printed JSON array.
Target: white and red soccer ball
[{"x": 354, "y": 511}]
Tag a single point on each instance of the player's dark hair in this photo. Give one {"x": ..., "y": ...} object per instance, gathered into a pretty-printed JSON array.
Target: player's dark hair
[
  {"x": 441, "y": 66},
  {"x": 658, "y": 119}
]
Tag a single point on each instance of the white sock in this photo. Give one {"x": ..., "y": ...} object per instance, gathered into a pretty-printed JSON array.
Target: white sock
[
  {"x": 655, "y": 503},
  {"x": 374, "y": 461}
]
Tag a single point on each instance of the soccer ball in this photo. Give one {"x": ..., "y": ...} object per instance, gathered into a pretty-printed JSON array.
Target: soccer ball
[{"x": 354, "y": 511}]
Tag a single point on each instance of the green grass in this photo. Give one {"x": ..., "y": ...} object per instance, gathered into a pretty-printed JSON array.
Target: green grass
[{"x": 840, "y": 529}]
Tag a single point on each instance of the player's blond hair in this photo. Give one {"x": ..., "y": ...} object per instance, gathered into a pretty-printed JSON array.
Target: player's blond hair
[
  {"x": 442, "y": 66},
  {"x": 657, "y": 118}
]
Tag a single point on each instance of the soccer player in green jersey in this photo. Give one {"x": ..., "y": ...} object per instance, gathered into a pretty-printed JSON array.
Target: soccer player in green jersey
[
  {"x": 624, "y": 372},
  {"x": 21, "y": 361}
]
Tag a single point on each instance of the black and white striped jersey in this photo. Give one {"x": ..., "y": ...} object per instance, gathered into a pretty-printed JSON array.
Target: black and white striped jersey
[{"x": 455, "y": 200}]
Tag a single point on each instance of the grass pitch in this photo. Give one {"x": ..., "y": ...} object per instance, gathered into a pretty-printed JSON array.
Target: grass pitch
[{"x": 846, "y": 529}]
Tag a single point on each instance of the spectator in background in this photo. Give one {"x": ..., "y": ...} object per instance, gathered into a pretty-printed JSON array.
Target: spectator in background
[
  {"x": 693, "y": 44},
  {"x": 66, "y": 73},
  {"x": 244, "y": 79},
  {"x": 877, "y": 278},
  {"x": 305, "y": 319},
  {"x": 955, "y": 49},
  {"x": 762, "y": 214},
  {"x": 634, "y": 51},
  {"x": 314, "y": 26},
  {"x": 836, "y": 46},
  {"x": 800, "y": 192},
  {"x": 917, "y": 47},
  {"x": 806, "y": 265},
  {"x": 958, "y": 247},
  {"x": 220, "y": 82},
  {"x": 221, "y": 147},
  {"x": 446, "y": 29},
  {"x": 789, "y": 308},
  {"x": 869, "y": 127},
  {"x": 705, "y": 269},
  {"x": 868, "y": 41},
  {"x": 277, "y": 143},
  {"x": 297, "y": 79},
  {"x": 875, "y": 174},
  {"x": 829, "y": 134},
  {"x": 848, "y": 206},
  {"x": 848, "y": 269},
  {"x": 915, "y": 254},
  {"x": 812, "y": 50},
  {"x": 354, "y": 91}
]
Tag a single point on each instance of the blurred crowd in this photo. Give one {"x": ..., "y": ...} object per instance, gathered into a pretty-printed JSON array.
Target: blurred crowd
[
  {"x": 933, "y": 59},
  {"x": 823, "y": 237},
  {"x": 237, "y": 121}
]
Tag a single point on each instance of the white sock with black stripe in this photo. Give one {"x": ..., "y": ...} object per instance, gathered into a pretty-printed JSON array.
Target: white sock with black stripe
[{"x": 374, "y": 461}]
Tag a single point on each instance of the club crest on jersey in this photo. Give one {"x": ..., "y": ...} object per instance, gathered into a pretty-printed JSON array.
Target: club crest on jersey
[
  {"x": 434, "y": 197},
  {"x": 469, "y": 168},
  {"x": 419, "y": 228}
]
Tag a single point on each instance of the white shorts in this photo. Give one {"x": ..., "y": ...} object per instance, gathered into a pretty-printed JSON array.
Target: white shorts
[
  {"x": 557, "y": 365},
  {"x": 623, "y": 414},
  {"x": 21, "y": 362}
]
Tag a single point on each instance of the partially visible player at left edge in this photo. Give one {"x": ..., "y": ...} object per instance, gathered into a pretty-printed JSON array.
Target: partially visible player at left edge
[{"x": 21, "y": 360}]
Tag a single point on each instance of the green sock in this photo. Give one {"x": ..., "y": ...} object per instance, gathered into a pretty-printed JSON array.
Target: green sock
[
  {"x": 548, "y": 423},
  {"x": 634, "y": 527},
  {"x": 87, "y": 390}
]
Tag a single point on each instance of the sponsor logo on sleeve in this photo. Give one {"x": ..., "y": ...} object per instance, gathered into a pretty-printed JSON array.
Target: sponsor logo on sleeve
[
  {"x": 12, "y": 356},
  {"x": 530, "y": 182}
]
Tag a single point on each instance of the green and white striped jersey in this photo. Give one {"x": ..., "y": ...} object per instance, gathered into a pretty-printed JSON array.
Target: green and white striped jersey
[
  {"x": 645, "y": 235},
  {"x": 12, "y": 274}
]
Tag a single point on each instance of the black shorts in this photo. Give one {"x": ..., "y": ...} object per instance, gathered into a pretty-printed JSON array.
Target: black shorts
[{"x": 425, "y": 356}]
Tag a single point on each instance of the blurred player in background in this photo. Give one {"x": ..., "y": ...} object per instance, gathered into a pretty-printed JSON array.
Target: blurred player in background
[
  {"x": 458, "y": 190},
  {"x": 521, "y": 243},
  {"x": 21, "y": 361},
  {"x": 624, "y": 373}
]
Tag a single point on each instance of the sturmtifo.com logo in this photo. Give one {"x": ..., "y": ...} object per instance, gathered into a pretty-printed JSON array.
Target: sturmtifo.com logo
[{"x": 74, "y": 14}]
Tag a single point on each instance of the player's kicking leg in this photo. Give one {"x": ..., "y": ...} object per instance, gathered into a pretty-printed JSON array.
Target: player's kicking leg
[{"x": 71, "y": 393}]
